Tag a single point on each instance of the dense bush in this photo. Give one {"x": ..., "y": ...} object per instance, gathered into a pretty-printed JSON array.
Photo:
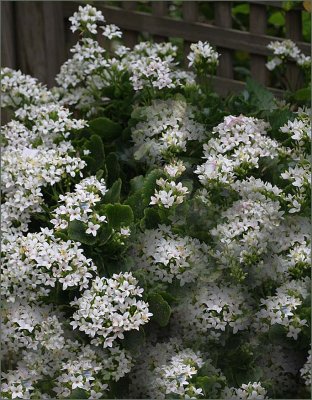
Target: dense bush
[{"x": 155, "y": 236}]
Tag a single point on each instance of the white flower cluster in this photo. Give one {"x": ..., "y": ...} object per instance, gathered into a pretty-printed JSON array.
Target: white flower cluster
[
  {"x": 288, "y": 253},
  {"x": 165, "y": 129},
  {"x": 31, "y": 160},
  {"x": 246, "y": 229},
  {"x": 18, "y": 384},
  {"x": 168, "y": 369},
  {"x": 214, "y": 310},
  {"x": 25, "y": 326},
  {"x": 78, "y": 206},
  {"x": 165, "y": 256},
  {"x": 86, "y": 18},
  {"x": 174, "y": 377},
  {"x": 281, "y": 308},
  {"x": 284, "y": 51},
  {"x": 203, "y": 55},
  {"x": 73, "y": 366},
  {"x": 300, "y": 131},
  {"x": 110, "y": 308},
  {"x": 240, "y": 143},
  {"x": 48, "y": 122},
  {"x": 249, "y": 391},
  {"x": 35, "y": 263},
  {"x": 305, "y": 371},
  {"x": 91, "y": 370},
  {"x": 18, "y": 89},
  {"x": 169, "y": 193}
]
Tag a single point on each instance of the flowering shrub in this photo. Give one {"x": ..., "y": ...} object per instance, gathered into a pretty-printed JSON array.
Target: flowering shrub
[{"x": 155, "y": 236}]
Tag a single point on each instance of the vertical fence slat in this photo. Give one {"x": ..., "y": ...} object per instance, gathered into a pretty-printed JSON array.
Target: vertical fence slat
[
  {"x": 294, "y": 32},
  {"x": 130, "y": 37},
  {"x": 190, "y": 14},
  {"x": 223, "y": 18},
  {"x": 30, "y": 39},
  {"x": 8, "y": 55},
  {"x": 159, "y": 9},
  {"x": 257, "y": 23},
  {"x": 54, "y": 30}
]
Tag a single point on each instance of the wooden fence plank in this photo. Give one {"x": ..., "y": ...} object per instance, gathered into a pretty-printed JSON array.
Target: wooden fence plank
[
  {"x": 223, "y": 18},
  {"x": 257, "y": 25},
  {"x": 294, "y": 32},
  {"x": 54, "y": 32},
  {"x": 130, "y": 36},
  {"x": 234, "y": 39},
  {"x": 190, "y": 14},
  {"x": 8, "y": 48},
  {"x": 159, "y": 9},
  {"x": 30, "y": 39},
  {"x": 225, "y": 86}
]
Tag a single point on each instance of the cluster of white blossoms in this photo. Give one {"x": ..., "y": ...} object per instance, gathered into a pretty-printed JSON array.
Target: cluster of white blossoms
[
  {"x": 215, "y": 309},
  {"x": 305, "y": 371},
  {"x": 202, "y": 55},
  {"x": 288, "y": 253},
  {"x": 299, "y": 130},
  {"x": 169, "y": 369},
  {"x": 18, "y": 89},
  {"x": 91, "y": 370},
  {"x": 73, "y": 366},
  {"x": 174, "y": 377},
  {"x": 286, "y": 50},
  {"x": 247, "y": 391},
  {"x": 79, "y": 206},
  {"x": 237, "y": 145},
  {"x": 86, "y": 18},
  {"x": 246, "y": 230},
  {"x": 281, "y": 308},
  {"x": 169, "y": 193},
  {"x": 165, "y": 256},
  {"x": 35, "y": 263},
  {"x": 110, "y": 308},
  {"x": 30, "y": 326},
  {"x": 165, "y": 129}
]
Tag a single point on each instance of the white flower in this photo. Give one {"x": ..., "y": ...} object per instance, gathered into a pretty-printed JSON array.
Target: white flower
[
  {"x": 110, "y": 308},
  {"x": 86, "y": 18}
]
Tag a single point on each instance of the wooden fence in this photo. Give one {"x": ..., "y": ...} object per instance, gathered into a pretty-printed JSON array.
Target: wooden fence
[{"x": 36, "y": 37}]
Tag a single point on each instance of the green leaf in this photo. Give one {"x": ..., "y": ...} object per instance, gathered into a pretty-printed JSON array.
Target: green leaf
[
  {"x": 113, "y": 168},
  {"x": 113, "y": 195},
  {"x": 260, "y": 97},
  {"x": 78, "y": 394},
  {"x": 160, "y": 309},
  {"x": 279, "y": 118},
  {"x": 142, "y": 151},
  {"x": 241, "y": 9},
  {"x": 96, "y": 158},
  {"x": 107, "y": 129},
  {"x": 303, "y": 94},
  {"x": 151, "y": 219},
  {"x": 150, "y": 185},
  {"x": 118, "y": 215},
  {"x": 277, "y": 18},
  {"x": 134, "y": 340},
  {"x": 137, "y": 183},
  {"x": 135, "y": 201},
  {"x": 77, "y": 232}
]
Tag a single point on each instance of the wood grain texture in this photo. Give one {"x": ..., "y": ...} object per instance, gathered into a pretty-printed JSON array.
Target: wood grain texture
[
  {"x": 159, "y": 9},
  {"x": 257, "y": 25},
  {"x": 223, "y": 18},
  {"x": 8, "y": 47},
  {"x": 130, "y": 36}
]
